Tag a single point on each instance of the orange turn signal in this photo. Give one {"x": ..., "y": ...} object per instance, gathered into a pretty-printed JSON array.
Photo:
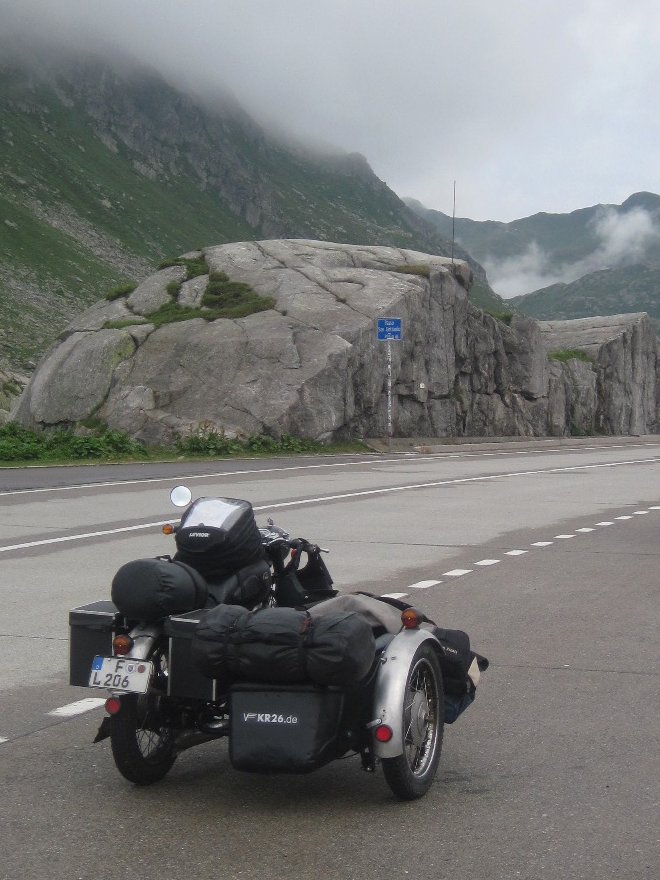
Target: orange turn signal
[
  {"x": 168, "y": 529},
  {"x": 411, "y": 618},
  {"x": 121, "y": 645}
]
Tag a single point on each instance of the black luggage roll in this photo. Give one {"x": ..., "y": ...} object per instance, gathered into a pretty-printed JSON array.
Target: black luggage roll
[
  {"x": 283, "y": 645},
  {"x": 149, "y": 589}
]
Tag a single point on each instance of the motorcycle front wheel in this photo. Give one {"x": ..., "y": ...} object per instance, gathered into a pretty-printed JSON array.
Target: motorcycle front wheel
[
  {"x": 142, "y": 744},
  {"x": 411, "y": 774}
]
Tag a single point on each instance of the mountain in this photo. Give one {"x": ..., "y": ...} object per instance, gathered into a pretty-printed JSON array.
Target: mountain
[
  {"x": 602, "y": 260},
  {"x": 105, "y": 171},
  {"x": 606, "y": 292}
]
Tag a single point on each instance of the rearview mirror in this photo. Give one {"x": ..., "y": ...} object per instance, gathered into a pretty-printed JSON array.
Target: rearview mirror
[{"x": 180, "y": 496}]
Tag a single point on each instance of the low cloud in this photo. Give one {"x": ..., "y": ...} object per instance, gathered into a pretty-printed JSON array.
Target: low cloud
[{"x": 623, "y": 239}]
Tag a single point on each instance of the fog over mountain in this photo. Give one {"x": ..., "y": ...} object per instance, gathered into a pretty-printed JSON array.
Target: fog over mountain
[
  {"x": 623, "y": 240},
  {"x": 544, "y": 106}
]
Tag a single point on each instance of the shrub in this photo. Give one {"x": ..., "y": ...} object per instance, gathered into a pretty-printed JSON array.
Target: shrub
[
  {"x": 173, "y": 288},
  {"x": 21, "y": 444},
  {"x": 120, "y": 290},
  {"x": 193, "y": 267},
  {"x": 120, "y": 323},
  {"x": 504, "y": 317},
  {"x": 210, "y": 441}
]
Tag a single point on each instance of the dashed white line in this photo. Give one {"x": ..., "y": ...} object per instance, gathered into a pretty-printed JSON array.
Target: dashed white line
[
  {"x": 3, "y": 739},
  {"x": 641, "y": 512},
  {"x": 423, "y": 585},
  {"x": 605, "y": 524},
  {"x": 623, "y": 517},
  {"x": 78, "y": 707},
  {"x": 487, "y": 562},
  {"x": 394, "y": 595},
  {"x": 515, "y": 552},
  {"x": 541, "y": 543},
  {"x": 655, "y": 507},
  {"x": 585, "y": 530},
  {"x": 564, "y": 536},
  {"x": 457, "y": 572}
]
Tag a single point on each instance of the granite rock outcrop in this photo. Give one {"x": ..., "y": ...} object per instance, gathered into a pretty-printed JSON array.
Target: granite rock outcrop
[{"x": 312, "y": 366}]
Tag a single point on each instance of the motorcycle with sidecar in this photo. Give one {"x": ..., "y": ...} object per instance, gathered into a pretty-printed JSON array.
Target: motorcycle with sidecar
[{"x": 240, "y": 635}]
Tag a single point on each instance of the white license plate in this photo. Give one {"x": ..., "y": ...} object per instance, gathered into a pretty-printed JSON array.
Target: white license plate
[{"x": 121, "y": 674}]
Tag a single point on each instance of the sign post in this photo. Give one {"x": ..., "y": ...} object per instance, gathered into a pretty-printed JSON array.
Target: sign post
[{"x": 389, "y": 329}]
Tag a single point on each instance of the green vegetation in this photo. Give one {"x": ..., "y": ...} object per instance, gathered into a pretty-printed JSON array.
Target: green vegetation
[
  {"x": 21, "y": 444},
  {"x": 233, "y": 299},
  {"x": 504, "y": 317},
  {"x": 193, "y": 267},
  {"x": 209, "y": 441},
  {"x": 422, "y": 269},
  {"x": 120, "y": 323},
  {"x": 569, "y": 354},
  {"x": 120, "y": 290}
]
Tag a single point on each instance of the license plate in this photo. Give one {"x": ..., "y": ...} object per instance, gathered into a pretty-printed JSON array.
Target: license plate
[{"x": 121, "y": 674}]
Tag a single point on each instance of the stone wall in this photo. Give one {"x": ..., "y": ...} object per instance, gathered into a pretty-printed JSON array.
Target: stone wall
[{"x": 312, "y": 366}]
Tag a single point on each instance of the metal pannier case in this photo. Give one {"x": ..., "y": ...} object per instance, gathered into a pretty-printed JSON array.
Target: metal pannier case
[{"x": 91, "y": 630}]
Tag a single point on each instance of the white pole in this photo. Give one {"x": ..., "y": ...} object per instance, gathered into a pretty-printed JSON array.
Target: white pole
[{"x": 389, "y": 393}]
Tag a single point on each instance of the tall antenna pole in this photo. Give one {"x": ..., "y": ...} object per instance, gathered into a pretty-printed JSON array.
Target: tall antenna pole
[{"x": 453, "y": 226}]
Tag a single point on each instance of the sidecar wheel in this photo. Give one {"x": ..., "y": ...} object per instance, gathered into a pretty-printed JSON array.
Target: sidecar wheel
[{"x": 411, "y": 774}]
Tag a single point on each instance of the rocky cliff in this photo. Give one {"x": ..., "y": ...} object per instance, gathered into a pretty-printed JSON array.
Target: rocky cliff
[{"x": 312, "y": 366}]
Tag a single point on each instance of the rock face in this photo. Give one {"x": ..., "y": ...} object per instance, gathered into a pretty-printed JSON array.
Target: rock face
[{"x": 313, "y": 367}]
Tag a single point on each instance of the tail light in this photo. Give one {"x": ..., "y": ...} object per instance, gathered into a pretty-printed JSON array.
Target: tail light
[
  {"x": 383, "y": 733},
  {"x": 113, "y": 705}
]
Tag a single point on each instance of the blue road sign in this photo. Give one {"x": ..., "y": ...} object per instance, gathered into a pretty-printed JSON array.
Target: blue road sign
[{"x": 390, "y": 328}]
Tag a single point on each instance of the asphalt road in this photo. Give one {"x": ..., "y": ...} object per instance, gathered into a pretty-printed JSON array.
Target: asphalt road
[{"x": 548, "y": 558}]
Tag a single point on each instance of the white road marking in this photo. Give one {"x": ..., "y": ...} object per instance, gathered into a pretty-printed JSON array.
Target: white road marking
[
  {"x": 605, "y": 523},
  {"x": 655, "y": 507},
  {"x": 542, "y": 543},
  {"x": 78, "y": 707},
  {"x": 322, "y": 498},
  {"x": 623, "y": 517},
  {"x": 515, "y": 552},
  {"x": 641, "y": 512},
  {"x": 457, "y": 572},
  {"x": 3, "y": 739},
  {"x": 423, "y": 585},
  {"x": 394, "y": 595},
  {"x": 487, "y": 562},
  {"x": 564, "y": 536},
  {"x": 585, "y": 530}
]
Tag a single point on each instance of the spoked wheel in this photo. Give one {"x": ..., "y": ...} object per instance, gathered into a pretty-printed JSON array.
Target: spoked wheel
[
  {"x": 411, "y": 774},
  {"x": 142, "y": 744}
]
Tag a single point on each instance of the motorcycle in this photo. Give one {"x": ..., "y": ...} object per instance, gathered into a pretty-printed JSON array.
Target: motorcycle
[{"x": 234, "y": 637}]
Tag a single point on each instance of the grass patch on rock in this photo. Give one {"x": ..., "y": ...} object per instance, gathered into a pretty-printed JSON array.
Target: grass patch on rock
[
  {"x": 422, "y": 269},
  {"x": 120, "y": 290},
  {"x": 569, "y": 354}
]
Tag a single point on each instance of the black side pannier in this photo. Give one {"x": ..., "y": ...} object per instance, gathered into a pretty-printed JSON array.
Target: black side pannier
[
  {"x": 148, "y": 589},
  {"x": 218, "y": 536},
  {"x": 283, "y": 645}
]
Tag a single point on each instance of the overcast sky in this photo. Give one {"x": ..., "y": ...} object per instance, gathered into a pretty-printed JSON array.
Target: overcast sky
[{"x": 530, "y": 105}]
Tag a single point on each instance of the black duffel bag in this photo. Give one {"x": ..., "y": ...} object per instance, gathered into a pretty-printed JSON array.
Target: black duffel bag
[
  {"x": 283, "y": 645},
  {"x": 148, "y": 589}
]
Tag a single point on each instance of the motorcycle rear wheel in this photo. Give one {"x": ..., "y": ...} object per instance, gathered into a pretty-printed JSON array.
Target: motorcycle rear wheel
[
  {"x": 142, "y": 745},
  {"x": 411, "y": 774}
]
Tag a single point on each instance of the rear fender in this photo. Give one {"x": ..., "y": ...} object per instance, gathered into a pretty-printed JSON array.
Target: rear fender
[
  {"x": 395, "y": 663},
  {"x": 144, "y": 638}
]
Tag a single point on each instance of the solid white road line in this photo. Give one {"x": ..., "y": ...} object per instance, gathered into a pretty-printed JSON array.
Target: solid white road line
[
  {"x": 339, "y": 497},
  {"x": 78, "y": 707},
  {"x": 423, "y": 585}
]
